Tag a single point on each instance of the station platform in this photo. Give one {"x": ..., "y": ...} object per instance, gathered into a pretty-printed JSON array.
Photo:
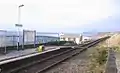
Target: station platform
[{"x": 27, "y": 52}]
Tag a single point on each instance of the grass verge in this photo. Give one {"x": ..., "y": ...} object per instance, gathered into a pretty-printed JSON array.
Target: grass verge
[{"x": 98, "y": 59}]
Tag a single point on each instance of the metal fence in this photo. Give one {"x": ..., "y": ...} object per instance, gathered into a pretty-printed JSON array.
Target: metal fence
[{"x": 10, "y": 38}]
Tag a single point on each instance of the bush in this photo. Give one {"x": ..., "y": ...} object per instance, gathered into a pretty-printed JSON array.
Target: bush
[
  {"x": 116, "y": 48},
  {"x": 98, "y": 60}
]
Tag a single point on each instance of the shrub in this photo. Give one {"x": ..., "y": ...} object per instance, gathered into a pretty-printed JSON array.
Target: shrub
[
  {"x": 98, "y": 60},
  {"x": 116, "y": 48}
]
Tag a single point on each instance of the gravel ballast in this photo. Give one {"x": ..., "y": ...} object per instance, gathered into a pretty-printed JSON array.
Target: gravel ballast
[{"x": 76, "y": 64}]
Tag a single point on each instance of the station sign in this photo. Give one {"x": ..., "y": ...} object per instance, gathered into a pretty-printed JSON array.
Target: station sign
[{"x": 18, "y": 25}]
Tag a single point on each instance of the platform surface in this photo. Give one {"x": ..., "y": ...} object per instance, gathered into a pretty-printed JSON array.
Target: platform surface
[{"x": 26, "y": 52}]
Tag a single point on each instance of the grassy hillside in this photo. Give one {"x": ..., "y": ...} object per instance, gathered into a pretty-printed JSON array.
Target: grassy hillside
[{"x": 114, "y": 42}]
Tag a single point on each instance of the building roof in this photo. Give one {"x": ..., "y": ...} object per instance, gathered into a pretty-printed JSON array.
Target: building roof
[{"x": 70, "y": 35}]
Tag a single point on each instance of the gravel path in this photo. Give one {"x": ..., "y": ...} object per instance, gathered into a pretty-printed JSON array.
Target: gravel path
[{"x": 76, "y": 64}]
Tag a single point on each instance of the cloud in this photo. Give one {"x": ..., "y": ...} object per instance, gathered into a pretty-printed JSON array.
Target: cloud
[{"x": 60, "y": 15}]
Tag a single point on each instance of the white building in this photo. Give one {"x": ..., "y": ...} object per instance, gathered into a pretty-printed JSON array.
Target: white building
[
  {"x": 86, "y": 38},
  {"x": 77, "y": 38}
]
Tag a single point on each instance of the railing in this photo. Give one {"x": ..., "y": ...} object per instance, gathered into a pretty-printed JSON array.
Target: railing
[{"x": 111, "y": 62}]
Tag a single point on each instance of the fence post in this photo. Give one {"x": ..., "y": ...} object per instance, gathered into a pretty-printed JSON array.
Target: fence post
[
  {"x": 23, "y": 40},
  {"x": 34, "y": 38},
  {"x": 5, "y": 42}
]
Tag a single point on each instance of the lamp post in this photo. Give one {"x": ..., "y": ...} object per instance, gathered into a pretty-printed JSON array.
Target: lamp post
[{"x": 19, "y": 25}]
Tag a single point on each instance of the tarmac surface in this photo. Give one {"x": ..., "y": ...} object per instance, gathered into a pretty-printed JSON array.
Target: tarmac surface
[{"x": 15, "y": 53}]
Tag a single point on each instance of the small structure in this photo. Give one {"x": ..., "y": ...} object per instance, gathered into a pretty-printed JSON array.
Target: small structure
[
  {"x": 77, "y": 38},
  {"x": 86, "y": 38}
]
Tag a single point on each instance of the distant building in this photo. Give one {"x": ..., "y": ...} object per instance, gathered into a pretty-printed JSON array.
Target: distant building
[
  {"x": 86, "y": 38},
  {"x": 77, "y": 38}
]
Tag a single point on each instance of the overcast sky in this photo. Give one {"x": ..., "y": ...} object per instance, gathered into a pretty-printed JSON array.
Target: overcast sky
[{"x": 61, "y": 15}]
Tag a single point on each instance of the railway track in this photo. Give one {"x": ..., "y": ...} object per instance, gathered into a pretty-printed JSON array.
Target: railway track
[{"x": 39, "y": 63}]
